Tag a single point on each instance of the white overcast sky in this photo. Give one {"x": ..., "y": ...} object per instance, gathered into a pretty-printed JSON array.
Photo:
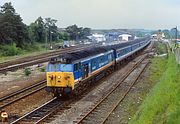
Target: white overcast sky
[{"x": 102, "y": 14}]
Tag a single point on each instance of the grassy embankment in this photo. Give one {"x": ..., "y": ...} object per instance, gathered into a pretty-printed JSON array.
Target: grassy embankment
[
  {"x": 162, "y": 104},
  {"x": 8, "y": 52}
]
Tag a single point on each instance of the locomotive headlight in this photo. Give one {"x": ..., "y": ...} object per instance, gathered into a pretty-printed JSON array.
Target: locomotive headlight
[{"x": 59, "y": 77}]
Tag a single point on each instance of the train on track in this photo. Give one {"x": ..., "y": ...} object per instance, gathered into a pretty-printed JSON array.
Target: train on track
[{"x": 67, "y": 71}]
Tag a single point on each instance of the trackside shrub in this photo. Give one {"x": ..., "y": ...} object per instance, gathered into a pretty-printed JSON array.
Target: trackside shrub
[
  {"x": 9, "y": 50},
  {"x": 42, "y": 69},
  {"x": 27, "y": 71}
]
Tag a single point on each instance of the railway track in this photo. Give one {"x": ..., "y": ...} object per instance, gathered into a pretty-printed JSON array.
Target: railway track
[
  {"x": 11, "y": 98},
  {"x": 32, "y": 60},
  {"x": 39, "y": 114},
  {"x": 47, "y": 111},
  {"x": 100, "y": 112}
]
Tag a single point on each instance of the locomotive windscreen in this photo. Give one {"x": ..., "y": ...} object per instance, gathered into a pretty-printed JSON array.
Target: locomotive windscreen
[{"x": 59, "y": 67}]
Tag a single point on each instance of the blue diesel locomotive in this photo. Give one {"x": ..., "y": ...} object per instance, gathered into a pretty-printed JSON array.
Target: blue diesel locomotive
[{"x": 65, "y": 72}]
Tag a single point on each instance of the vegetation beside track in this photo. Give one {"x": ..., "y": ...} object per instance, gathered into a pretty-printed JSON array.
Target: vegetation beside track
[
  {"x": 160, "y": 48},
  {"x": 8, "y": 52},
  {"x": 12, "y": 49},
  {"x": 18, "y": 38},
  {"x": 162, "y": 103}
]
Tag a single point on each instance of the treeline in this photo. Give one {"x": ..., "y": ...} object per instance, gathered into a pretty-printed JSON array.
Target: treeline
[
  {"x": 14, "y": 33},
  {"x": 171, "y": 34},
  {"x": 12, "y": 29}
]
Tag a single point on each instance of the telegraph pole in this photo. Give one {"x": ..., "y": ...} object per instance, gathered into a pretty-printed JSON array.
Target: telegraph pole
[{"x": 176, "y": 36}]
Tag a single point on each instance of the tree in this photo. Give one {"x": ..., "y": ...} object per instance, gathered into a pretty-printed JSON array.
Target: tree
[
  {"x": 37, "y": 30},
  {"x": 73, "y": 32},
  {"x": 77, "y": 33},
  {"x": 51, "y": 29},
  {"x": 86, "y": 32},
  {"x": 64, "y": 36},
  {"x": 173, "y": 33},
  {"x": 40, "y": 29},
  {"x": 12, "y": 29},
  {"x": 1, "y": 31},
  {"x": 167, "y": 33}
]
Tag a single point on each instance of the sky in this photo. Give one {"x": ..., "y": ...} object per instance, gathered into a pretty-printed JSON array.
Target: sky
[{"x": 102, "y": 14}]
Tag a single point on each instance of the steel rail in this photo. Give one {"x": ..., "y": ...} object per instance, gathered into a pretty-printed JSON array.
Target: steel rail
[
  {"x": 28, "y": 115},
  {"x": 18, "y": 95},
  {"x": 36, "y": 60},
  {"x": 43, "y": 118},
  {"x": 40, "y": 118},
  {"x": 114, "y": 88},
  {"x": 29, "y": 58},
  {"x": 124, "y": 96}
]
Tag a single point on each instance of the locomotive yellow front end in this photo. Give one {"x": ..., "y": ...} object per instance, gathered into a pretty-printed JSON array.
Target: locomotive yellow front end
[{"x": 60, "y": 78}]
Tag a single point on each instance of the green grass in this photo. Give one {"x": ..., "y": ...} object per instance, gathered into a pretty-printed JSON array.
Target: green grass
[
  {"x": 161, "y": 48},
  {"x": 10, "y": 52},
  {"x": 158, "y": 66},
  {"x": 162, "y": 103}
]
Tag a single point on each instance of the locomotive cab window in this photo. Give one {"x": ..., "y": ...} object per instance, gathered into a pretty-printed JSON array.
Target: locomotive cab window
[{"x": 53, "y": 68}]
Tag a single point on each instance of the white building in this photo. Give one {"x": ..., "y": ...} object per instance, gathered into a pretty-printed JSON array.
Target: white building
[
  {"x": 97, "y": 37},
  {"x": 124, "y": 37}
]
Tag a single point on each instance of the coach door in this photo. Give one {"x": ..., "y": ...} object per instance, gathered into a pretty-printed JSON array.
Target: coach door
[{"x": 85, "y": 71}]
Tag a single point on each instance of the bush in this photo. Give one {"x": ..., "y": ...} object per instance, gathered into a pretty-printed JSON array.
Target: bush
[
  {"x": 31, "y": 47},
  {"x": 27, "y": 71},
  {"x": 42, "y": 69},
  {"x": 161, "y": 48},
  {"x": 9, "y": 50}
]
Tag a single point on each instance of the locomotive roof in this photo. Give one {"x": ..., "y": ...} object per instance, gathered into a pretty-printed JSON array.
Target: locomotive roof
[
  {"x": 71, "y": 57},
  {"x": 74, "y": 56}
]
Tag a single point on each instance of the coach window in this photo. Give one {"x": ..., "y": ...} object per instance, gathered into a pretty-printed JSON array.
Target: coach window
[
  {"x": 75, "y": 67},
  {"x": 110, "y": 57},
  {"x": 93, "y": 63},
  {"x": 101, "y": 59}
]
